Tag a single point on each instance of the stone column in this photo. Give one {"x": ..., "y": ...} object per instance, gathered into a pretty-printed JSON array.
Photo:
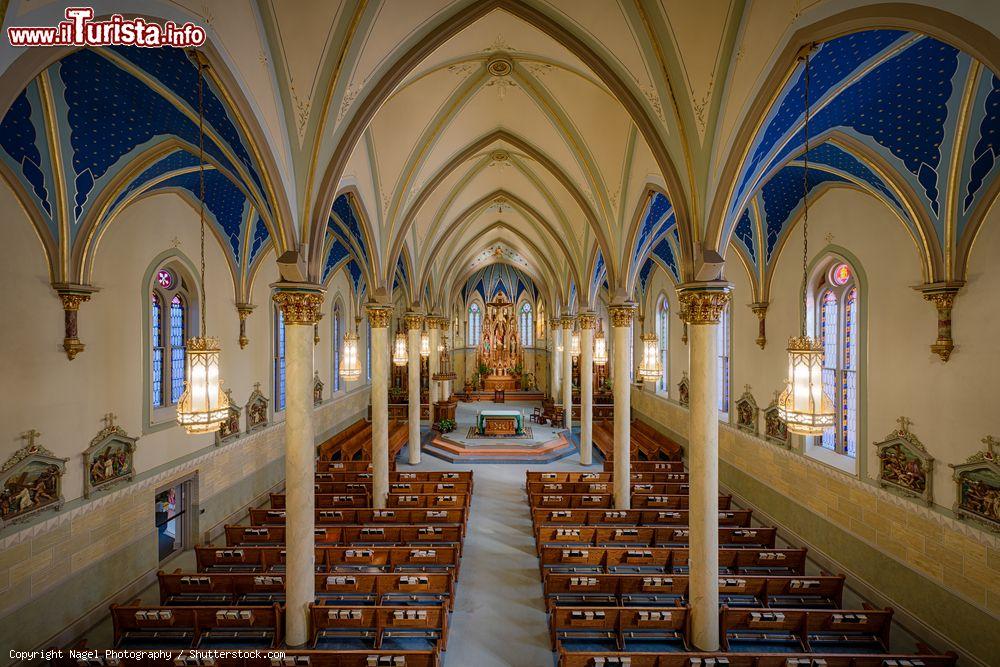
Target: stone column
[
  {"x": 378, "y": 320},
  {"x": 567, "y": 372},
  {"x": 434, "y": 326},
  {"x": 587, "y": 323},
  {"x": 703, "y": 305},
  {"x": 300, "y": 305},
  {"x": 555, "y": 358},
  {"x": 621, "y": 328},
  {"x": 413, "y": 321}
]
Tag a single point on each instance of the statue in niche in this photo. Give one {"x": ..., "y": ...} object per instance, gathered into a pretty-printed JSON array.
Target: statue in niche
[
  {"x": 109, "y": 459},
  {"x": 683, "y": 390},
  {"x": 746, "y": 412},
  {"x": 317, "y": 389},
  {"x": 230, "y": 427},
  {"x": 256, "y": 409},
  {"x": 775, "y": 430},
  {"x": 30, "y": 481},
  {"x": 904, "y": 464},
  {"x": 978, "y": 486}
]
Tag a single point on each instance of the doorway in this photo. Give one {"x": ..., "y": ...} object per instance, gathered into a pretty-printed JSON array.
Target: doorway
[{"x": 173, "y": 519}]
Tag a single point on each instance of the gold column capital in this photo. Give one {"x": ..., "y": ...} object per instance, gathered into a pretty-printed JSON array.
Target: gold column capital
[
  {"x": 378, "y": 315},
  {"x": 243, "y": 310},
  {"x": 300, "y": 303},
  {"x": 414, "y": 321},
  {"x": 587, "y": 320},
  {"x": 71, "y": 296},
  {"x": 555, "y": 323},
  {"x": 622, "y": 314},
  {"x": 437, "y": 322},
  {"x": 703, "y": 303},
  {"x": 567, "y": 322}
]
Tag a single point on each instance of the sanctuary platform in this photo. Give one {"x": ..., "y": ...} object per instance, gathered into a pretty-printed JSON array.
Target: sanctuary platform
[{"x": 539, "y": 443}]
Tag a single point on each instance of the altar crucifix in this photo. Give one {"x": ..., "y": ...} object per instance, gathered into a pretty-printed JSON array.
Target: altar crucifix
[{"x": 500, "y": 346}]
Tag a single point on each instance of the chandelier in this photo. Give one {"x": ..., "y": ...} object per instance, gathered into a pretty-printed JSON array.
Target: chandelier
[
  {"x": 425, "y": 343},
  {"x": 804, "y": 406},
  {"x": 650, "y": 368},
  {"x": 350, "y": 367},
  {"x": 444, "y": 372},
  {"x": 400, "y": 355},
  {"x": 203, "y": 406},
  {"x": 574, "y": 343},
  {"x": 600, "y": 348}
]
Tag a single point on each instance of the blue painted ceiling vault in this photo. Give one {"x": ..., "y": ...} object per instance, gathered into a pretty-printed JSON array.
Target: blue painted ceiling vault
[
  {"x": 887, "y": 107},
  {"x": 498, "y": 278},
  {"x": 102, "y": 127}
]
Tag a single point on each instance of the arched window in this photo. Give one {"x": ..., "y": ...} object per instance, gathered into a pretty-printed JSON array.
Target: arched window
[
  {"x": 475, "y": 325},
  {"x": 723, "y": 332},
  {"x": 837, "y": 305},
  {"x": 337, "y": 334},
  {"x": 279, "y": 360},
  {"x": 171, "y": 306},
  {"x": 527, "y": 326},
  {"x": 663, "y": 334}
]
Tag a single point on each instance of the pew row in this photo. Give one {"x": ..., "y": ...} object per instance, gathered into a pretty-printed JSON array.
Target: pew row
[
  {"x": 639, "y": 560},
  {"x": 607, "y": 501},
  {"x": 350, "y": 535},
  {"x": 331, "y": 559},
  {"x": 674, "y": 536},
  {"x": 649, "y": 518}
]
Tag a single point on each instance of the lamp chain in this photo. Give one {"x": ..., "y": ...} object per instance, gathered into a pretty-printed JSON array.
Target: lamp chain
[
  {"x": 805, "y": 206},
  {"x": 201, "y": 185}
]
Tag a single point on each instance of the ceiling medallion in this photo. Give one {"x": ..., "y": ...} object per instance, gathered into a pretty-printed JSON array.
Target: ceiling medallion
[
  {"x": 499, "y": 156},
  {"x": 499, "y": 67}
]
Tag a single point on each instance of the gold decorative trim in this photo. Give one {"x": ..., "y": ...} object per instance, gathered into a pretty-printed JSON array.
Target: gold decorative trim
[
  {"x": 703, "y": 304},
  {"x": 378, "y": 315},
  {"x": 299, "y": 306},
  {"x": 414, "y": 321},
  {"x": 71, "y": 297},
  {"x": 942, "y": 295},
  {"x": 621, "y": 316},
  {"x": 243, "y": 310},
  {"x": 567, "y": 322},
  {"x": 587, "y": 320}
]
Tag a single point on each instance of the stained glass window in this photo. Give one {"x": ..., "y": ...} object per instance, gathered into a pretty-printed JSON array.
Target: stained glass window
[
  {"x": 723, "y": 373},
  {"x": 837, "y": 318},
  {"x": 527, "y": 326},
  {"x": 178, "y": 334},
  {"x": 279, "y": 360},
  {"x": 156, "y": 333},
  {"x": 475, "y": 325},
  {"x": 338, "y": 334},
  {"x": 165, "y": 279},
  {"x": 663, "y": 334}
]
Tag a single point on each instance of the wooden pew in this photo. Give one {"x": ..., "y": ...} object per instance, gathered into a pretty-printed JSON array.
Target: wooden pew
[
  {"x": 864, "y": 631},
  {"x": 394, "y": 500},
  {"x": 237, "y": 536},
  {"x": 655, "y": 560},
  {"x": 674, "y": 536},
  {"x": 378, "y": 628},
  {"x": 152, "y": 627},
  {"x": 619, "y": 659},
  {"x": 576, "y": 476},
  {"x": 662, "y": 488},
  {"x": 629, "y": 590},
  {"x": 330, "y": 559},
  {"x": 606, "y": 501},
  {"x": 648, "y": 629},
  {"x": 579, "y": 517},
  {"x": 391, "y": 589}
]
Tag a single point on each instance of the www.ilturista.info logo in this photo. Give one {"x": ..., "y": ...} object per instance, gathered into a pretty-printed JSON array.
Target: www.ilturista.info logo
[{"x": 79, "y": 29}]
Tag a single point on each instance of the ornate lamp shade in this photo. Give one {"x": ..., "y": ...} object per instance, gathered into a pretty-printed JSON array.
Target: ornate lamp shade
[
  {"x": 444, "y": 371},
  {"x": 400, "y": 355},
  {"x": 425, "y": 344},
  {"x": 650, "y": 368},
  {"x": 350, "y": 367},
  {"x": 804, "y": 406},
  {"x": 203, "y": 406},
  {"x": 600, "y": 348},
  {"x": 574, "y": 343}
]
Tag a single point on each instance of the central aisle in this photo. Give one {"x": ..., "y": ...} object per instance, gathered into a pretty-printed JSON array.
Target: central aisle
[{"x": 499, "y": 618}]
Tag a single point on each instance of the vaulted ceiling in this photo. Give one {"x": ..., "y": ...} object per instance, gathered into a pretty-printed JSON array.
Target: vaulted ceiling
[{"x": 588, "y": 143}]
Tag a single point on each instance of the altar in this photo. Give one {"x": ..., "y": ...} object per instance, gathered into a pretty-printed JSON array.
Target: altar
[{"x": 500, "y": 422}]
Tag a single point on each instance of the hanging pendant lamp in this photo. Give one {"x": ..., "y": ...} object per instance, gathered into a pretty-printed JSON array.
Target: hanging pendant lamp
[
  {"x": 804, "y": 405},
  {"x": 574, "y": 343},
  {"x": 203, "y": 406},
  {"x": 650, "y": 368},
  {"x": 350, "y": 364},
  {"x": 600, "y": 348},
  {"x": 400, "y": 355},
  {"x": 425, "y": 342}
]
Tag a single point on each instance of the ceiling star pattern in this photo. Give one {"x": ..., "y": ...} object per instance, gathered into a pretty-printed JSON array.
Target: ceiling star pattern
[
  {"x": 105, "y": 120},
  {"x": 498, "y": 278},
  {"x": 887, "y": 97}
]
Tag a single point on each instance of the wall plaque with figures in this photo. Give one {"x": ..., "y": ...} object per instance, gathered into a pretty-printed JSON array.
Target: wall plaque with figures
[
  {"x": 30, "y": 481},
  {"x": 978, "y": 486},
  {"x": 256, "y": 410},
  {"x": 110, "y": 458},
  {"x": 904, "y": 464},
  {"x": 747, "y": 412},
  {"x": 230, "y": 428},
  {"x": 775, "y": 429}
]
